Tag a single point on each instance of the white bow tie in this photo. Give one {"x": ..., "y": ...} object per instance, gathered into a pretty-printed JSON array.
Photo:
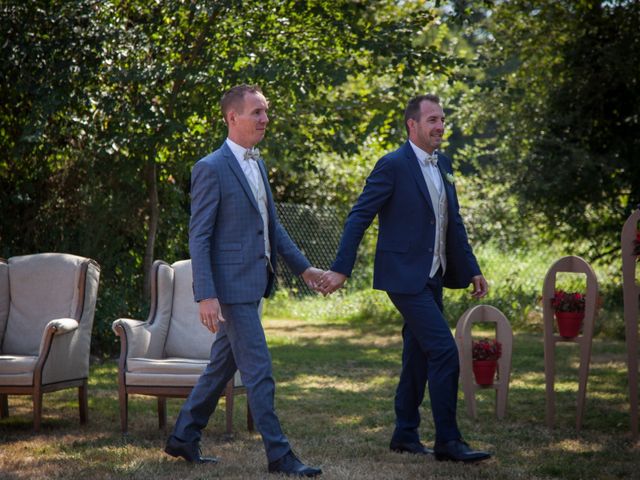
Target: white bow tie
[
  {"x": 431, "y": 159},
  {"x": 252, "y": 154}
]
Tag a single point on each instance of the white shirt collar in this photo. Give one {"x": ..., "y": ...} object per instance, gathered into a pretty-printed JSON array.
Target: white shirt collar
[
  {"x": 420, "y": 154},
  {"x": 237, "y": 150}
]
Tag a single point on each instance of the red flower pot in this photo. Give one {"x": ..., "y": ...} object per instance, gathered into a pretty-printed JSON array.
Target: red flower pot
[
  {"x": 569, "y": 323},
  {"x": 485, "y": 371}
]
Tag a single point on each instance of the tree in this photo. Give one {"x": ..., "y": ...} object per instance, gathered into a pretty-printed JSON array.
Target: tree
[
  {"x": 111, "y": 102},
  {"x": 555, "y": 113}
]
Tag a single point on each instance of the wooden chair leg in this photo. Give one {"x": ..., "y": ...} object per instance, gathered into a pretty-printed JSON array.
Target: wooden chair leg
[
  {"x": 124, "y": 408},
  {"x": 229, "y": 406},
  {"x": 249, "y": 418},
  {"x": 162, "y": 413},
  {"x": 37, "y": 409},
  {"x": 83, "y": 401},
  {"x": 4, "y": 405}
]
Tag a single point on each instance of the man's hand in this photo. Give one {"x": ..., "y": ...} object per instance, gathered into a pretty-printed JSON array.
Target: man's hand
[
  {"x": 480, "y": 286},
  {"x": 311, "y": 277},
  {"x": 330, "y": 282},
  {"x": 211, "y": 314}
]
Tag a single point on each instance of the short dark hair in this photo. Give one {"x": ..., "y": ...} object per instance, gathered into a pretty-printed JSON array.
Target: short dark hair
[
  {"x": 235, "y": 95},
  {"x": 413, "y": 107}
]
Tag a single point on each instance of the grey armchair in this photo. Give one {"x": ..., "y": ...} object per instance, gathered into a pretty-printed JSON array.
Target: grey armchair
[
  {"x": 165, "y": 355},
  {"x": 47, "y": 305}
]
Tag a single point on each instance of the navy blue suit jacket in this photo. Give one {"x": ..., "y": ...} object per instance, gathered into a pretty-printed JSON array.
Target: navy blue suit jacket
[
  {"x": 396, "y": 191},
  {"x": 226, "y": 237}
]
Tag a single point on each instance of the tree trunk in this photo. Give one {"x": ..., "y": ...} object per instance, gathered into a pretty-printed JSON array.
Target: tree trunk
[{"x": 154, "y": 216}]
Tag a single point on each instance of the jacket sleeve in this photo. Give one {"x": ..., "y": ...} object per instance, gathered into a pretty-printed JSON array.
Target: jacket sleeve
[
  {"x": 462, "y": 265},
  {"x": 377, "y": 190},
  {"x": 205, "y": 200},
  {"x": 290, "y": 252}
]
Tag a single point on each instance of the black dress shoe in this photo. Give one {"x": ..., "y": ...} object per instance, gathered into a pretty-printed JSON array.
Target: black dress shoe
[
  {"x": 189, "y": 451},
  {"x": 458, "y": 451},
  {"x": 289, "y": 464},
  {"x": 415, "y": 448}
]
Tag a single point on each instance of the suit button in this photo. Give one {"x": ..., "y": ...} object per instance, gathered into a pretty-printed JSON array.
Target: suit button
[
  {"x": 262, "y": 256},
  {"x": 260, "y": 232},
  {"x": 430, "y": 249},
  {"x": 433, "y": 222}
]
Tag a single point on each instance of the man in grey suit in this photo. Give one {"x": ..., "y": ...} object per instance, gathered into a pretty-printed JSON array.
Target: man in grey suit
[{"x": 234, "y": 239}]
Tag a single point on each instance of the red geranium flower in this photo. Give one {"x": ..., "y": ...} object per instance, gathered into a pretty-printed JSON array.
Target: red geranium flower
[
  {"x": 567, "y": 301},
  {"x": 486, "y": 349}
]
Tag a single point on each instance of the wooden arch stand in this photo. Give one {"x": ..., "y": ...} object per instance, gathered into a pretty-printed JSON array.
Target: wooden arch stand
[
  {"x": 504, "y": 334},
  {"x": 570, "y": 264},
  {"x": 631, "y": 292}
]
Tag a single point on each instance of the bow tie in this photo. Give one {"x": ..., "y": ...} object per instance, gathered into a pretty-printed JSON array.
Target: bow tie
[
  {"x": 252, "y": 154},
  {"x": 431, "y": 159}
]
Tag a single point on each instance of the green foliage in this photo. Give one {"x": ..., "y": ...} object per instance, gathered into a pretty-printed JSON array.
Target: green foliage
[
  {"x": 554, "y": 114},
  {"x": 515, "y": 279},
  {"x": 111, "y": 102}
]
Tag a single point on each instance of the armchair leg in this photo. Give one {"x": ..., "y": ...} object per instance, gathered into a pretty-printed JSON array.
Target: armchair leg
[
  {"x": 83, "y": 401},
  {"x": 124, "y": 407},
  {"x": 4, "y": 405},
  {"x": 228, "y": 407},
  {"x": 162, "y": 413},
  {"x": 249, "y": 418},
  {"x": 37, "y": 409}
]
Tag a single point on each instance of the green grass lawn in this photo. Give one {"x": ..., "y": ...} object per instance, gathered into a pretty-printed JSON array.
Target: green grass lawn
[{"x": 335, "y": 388}]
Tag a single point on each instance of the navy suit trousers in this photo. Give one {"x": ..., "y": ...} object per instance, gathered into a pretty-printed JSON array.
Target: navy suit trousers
[
  {"x": 240, "y": 344},
  {"x": 429, "y": 356}
]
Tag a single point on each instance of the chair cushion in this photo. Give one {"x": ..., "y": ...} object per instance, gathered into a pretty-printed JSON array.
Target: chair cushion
[
  {"x": 187, "y": 337},
  {"x": 12, "y": 364},
  {"x": 172, "y": 365},
  {"x": 42, "y": 287},
  {"x": 176, "y": 372}
]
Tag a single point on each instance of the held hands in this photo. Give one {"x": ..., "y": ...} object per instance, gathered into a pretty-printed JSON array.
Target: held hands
[
  {"x": 324, "y": 282},
  {"x": 311, "y": 277},
  {"x": 480, "y": 286},
  {"x": 211, "y": 314},
  {"x": 330, "y": 282}
]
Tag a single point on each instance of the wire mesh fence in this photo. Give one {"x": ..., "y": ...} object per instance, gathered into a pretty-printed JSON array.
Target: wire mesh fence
[{"x": 316, "y": 231}]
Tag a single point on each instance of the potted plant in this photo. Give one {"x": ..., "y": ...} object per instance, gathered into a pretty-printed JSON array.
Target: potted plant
[
  {"x": 569, "y": 310},
  {"x": 485, "y": 354}
]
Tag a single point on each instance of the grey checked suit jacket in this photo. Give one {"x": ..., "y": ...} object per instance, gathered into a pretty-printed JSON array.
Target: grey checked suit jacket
[{"x": 226, "y": 238}]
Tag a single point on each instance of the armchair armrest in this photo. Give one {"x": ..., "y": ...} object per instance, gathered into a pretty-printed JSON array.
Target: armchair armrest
[
  {"x": 62, "y": 325},
  {"x": 58, "y": 359},
  {"x": 135, "y": 337},
  {"x": 57, "y": 326}
]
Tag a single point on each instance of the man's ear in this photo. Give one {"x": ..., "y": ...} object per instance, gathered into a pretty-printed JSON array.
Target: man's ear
[{"x": 411, "y": 125}]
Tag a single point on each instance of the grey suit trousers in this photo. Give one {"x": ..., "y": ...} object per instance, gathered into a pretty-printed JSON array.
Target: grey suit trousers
[{"x": 241, "y": 345}]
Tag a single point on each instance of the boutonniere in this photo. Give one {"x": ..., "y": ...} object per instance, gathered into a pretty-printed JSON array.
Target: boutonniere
[{"x": 450, "y": 178}]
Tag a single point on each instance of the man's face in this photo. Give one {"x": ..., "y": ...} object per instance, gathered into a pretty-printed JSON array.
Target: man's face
[
  {"x": 427, "y": 132},
  {"x": 248, "y": 122}
]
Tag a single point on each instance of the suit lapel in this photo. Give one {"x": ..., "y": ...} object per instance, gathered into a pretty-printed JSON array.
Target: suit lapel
[
  {"x": 271, "y": 206},
  {"x": 448, "y": 187},
  {"x": 240, "y": 176},
  {"x": 416, "y": 173}
]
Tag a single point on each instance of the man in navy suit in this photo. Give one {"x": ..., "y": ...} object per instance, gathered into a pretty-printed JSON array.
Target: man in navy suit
[
  {"x": 234, "y": 239},
  {"x": 422, "y": 246}
]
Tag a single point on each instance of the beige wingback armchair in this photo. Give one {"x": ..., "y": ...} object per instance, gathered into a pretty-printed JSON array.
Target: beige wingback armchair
[
  {"x": 47, "y": 304},
  {"x": 164, "y": 356}
]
